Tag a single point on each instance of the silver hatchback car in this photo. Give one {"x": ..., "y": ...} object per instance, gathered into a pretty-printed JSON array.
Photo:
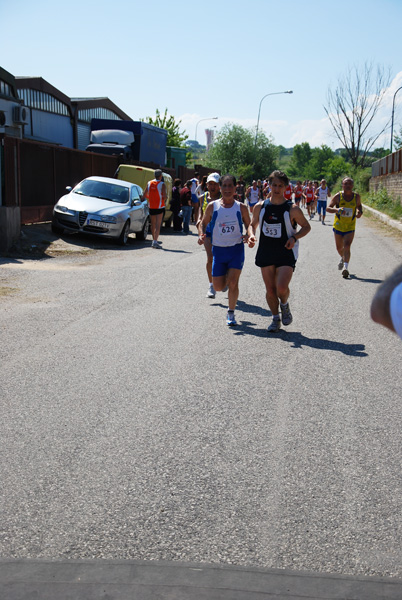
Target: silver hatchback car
[{"x": 105, "y": 207}]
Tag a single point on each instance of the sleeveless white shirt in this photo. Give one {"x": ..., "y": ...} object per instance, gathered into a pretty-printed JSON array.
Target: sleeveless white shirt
[{"x": 226, "y": 225}]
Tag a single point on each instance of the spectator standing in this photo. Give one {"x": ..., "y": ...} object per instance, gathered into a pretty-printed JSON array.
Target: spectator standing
[
  {"x": 186, "y": 206},
  {"x": 176, "y": 205},
  {"x": 194, "y": 198},
  {"x": 155, "y": 193},
  {"x": 201, "y": 189}
]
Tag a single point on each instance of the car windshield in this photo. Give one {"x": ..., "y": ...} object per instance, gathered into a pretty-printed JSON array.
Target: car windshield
[{"x": 104, "y": 190}]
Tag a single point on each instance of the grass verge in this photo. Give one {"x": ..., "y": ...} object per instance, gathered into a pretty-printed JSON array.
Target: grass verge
[{"x": 384, "y": 202}]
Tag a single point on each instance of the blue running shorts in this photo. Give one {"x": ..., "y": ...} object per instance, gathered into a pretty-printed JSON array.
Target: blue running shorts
[{"x": 225, "y": 258}]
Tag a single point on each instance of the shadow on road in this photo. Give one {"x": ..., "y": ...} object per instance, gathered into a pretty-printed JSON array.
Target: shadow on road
[
  {"x": 299, "y": 340},
  {"x": 176, "y": 251},
  {"x": 365, "y": 279}
]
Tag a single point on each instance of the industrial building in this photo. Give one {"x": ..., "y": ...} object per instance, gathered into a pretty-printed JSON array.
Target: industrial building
[{"x": 55, "y": 118}]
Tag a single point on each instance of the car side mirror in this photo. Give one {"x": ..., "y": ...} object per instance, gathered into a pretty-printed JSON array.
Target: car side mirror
[
  {"x": 136, "y": 202},
  {"x": 68, "y": 188}
]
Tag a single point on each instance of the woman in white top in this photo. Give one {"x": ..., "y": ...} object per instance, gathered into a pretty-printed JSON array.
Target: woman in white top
[{"x": 202, "y": 188}]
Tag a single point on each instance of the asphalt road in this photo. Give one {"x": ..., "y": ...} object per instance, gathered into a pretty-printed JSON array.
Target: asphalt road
[{"x": 136, "y": 425}]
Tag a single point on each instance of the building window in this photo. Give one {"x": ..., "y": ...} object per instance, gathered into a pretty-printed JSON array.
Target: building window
[
  {"x": 96, "y": 113},
  {"x": 42, "y": 101},
  {"x": 5, "y": 89}
]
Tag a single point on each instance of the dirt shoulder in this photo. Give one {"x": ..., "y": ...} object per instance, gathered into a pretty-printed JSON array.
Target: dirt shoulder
[{"x": 38, "y": 241}]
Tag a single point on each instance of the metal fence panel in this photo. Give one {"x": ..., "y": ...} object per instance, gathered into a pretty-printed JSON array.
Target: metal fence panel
[{"x": 44, "y": 171}]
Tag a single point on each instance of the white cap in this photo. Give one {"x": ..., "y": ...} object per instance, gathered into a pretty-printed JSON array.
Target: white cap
[{"x": 215, "y": 177}]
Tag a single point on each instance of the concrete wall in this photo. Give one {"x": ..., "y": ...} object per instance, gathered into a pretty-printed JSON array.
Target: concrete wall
[
  {"x": 10, "y": 226},
  {"x": 387, "y": 173},
  {"x": 391, "y": 182}
]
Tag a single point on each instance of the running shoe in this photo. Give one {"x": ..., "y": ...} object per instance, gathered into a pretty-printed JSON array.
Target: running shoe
[
  {"x": 211, "y": 293},
  {"x": 275, "y": 326},
  {"x": 287, "y": 317},
  {"x": 345, "y": 273},
  {"x": 340, "y": 264},
  {"x": 156, "y": 245},
  {"x": 230, "y": 320}
]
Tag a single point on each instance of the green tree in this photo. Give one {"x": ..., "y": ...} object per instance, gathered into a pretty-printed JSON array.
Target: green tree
[
  {"x": 380, "y": 152},
  {"x": 334, "y": 168},
  {"x": 175, "y": 137},
  {"x": 301, "y": 157},
  {"x": 315, "y": 169},
  {"x": 234, "y": 152}
]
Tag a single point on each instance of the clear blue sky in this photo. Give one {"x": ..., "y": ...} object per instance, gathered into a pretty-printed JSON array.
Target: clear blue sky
[{"x": 213, "y": 58}]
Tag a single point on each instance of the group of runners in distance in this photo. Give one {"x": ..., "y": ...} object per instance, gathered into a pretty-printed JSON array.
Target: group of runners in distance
[{"x": 227, "y": 208}]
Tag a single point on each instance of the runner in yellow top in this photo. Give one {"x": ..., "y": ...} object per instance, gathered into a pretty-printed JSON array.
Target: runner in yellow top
[{"x": 347, "y": 207}]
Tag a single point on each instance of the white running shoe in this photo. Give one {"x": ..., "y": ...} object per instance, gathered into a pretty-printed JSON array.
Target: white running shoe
[
  {"x": 275, "y": 326},
  {"x": 230, "y": 320},
  {"x": 287, "y": 317},
  {"x": 340, "y": 264},
  {"x": 211, "y": 292}
]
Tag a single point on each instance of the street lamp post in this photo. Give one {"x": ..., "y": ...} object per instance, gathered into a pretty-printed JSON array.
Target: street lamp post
[
  {"x": 208, "y": 119},
  {"x": 258, "y": 119},
  {"x": 392, "y": 120}
]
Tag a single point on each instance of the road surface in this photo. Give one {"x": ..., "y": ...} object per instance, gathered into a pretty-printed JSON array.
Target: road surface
[{"x": 136, "y": 425}]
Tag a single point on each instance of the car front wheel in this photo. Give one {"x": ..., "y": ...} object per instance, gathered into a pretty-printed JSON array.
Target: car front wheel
[{"x": 123, "y": 238}]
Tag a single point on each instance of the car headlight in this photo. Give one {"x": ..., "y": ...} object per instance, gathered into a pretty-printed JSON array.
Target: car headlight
[
  {"x": 107, "y": 219},
  {"x": 64, "y": 209}
]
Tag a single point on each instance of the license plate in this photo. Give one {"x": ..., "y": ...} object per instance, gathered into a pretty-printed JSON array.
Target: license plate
[{"x": 97, "y": 224}]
